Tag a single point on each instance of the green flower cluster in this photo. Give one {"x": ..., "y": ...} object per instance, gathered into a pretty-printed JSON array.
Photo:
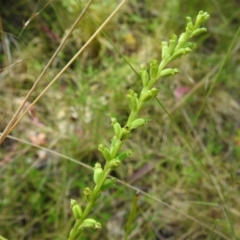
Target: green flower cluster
[{"x": 175, "y": 48}]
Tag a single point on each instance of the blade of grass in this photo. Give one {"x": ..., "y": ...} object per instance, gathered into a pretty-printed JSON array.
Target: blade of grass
[
  {"x": 7, "y": 54},
  {"x": 132, "y": 216},
  {"x": 205, "y": 203}
]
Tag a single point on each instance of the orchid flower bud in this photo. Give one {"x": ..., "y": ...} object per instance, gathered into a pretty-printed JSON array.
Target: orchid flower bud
[
  {"x": 198, "y": 31},
  {"x": 153, "y": 69},
  {"x": 90, "y": 223},
  {"x": 124, "y": 155},
  {"x": 138, "y": 123},
  {"x": 105, "y": 152},
  {"x": 108, "y": 183},
  {"x": 180, "y": 52},
  {"x": 149, "y": 94},
  {"x": 115, "y": 163},
  {"x": 144, "y": 77},
  {"x": 168, "y": 71},
  {"x": 88, "y": 193},
  {"x": 116, "y": 127},
  {"x": 132, "y": 100},
  {"x": 165, "y": 50},
  {"x": 98, "y": 171},
  {"x": 172, "y": 44},
  {"x": 76, "y": 209}
]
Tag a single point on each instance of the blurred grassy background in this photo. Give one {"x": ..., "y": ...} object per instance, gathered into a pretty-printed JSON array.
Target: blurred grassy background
[{"x": 190, "y": 162}]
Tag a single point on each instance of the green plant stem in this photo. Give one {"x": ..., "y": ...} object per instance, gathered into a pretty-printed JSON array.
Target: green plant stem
[
  {"x": 97, "y": 190},
  {"x": 171, "y": 51}
]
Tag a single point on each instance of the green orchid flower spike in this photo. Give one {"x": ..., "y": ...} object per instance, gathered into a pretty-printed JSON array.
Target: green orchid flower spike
[{"x": 175, "y": 48}]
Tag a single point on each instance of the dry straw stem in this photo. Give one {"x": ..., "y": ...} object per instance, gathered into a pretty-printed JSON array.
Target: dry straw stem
[
  {"x": 15, "y": 120},
  {"x": 127, "y": 185}
]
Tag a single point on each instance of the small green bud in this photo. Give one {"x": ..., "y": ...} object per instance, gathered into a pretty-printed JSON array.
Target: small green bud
[
  {"x": 153, "y": 69},
  {"x": 124, "y": 155},
  {"x": 149, "y": 94},
  {"x": 168, "y": 71},
  {"x": 105, "y": 152},
  {"x": 132, "y": 100},
  {"x": 144, "y": 77},
  {"x": 101, "y": 147},
  {"x": 172, "y": 44},
  {"x": 165, "y": 50},
  {"x": 88, "y": 193},
  {"x": 117, "y": 130},
  {"x": 115, "y": 141},
  {"x": 108, "y": 183},
  {"x": 90, "y": 223},
  {"x": 198, "y": 32},
  {"x": 189, "y": 27},
  {"x": 116, "y": 127},
  {"x": 138, "y": 123},
  {"x": 76, "y": 209},
  {"x": 73, "y": 202},
  {"x": 98, "y": 171},
  {"x": 154, "y": 92},
  {"x": 183, "y": 38},
  {"x": 191, "y": 45},
  {"x": 201, "y": 17},
  {"x": 113, "y": 120},
  {"x": 125, "y": 133},
  {"x": 180, "y": 52},
  {"x": 115, "y": 163}
]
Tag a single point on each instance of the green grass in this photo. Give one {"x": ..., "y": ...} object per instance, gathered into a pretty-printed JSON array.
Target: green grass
[{"x": 186, "y": 167}]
